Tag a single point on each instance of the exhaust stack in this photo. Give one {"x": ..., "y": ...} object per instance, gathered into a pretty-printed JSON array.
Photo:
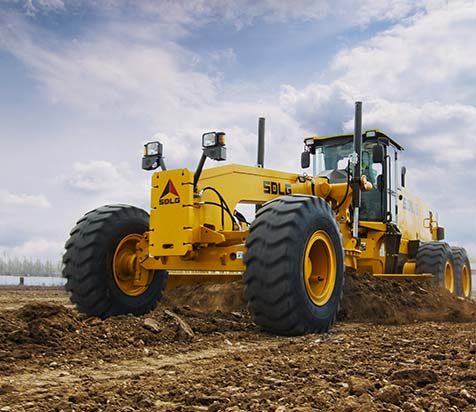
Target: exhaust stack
[
  {"x": 357, "y": 194},
  {"x": 261, "y": 130},
  {"x": 260, "y": 162}
]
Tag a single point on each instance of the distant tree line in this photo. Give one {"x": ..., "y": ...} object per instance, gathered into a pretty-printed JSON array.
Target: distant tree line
[{"x": 28, "y": 266}]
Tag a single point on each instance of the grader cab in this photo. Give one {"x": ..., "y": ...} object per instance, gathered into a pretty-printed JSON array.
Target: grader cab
[{"x": 352, "y": 213}]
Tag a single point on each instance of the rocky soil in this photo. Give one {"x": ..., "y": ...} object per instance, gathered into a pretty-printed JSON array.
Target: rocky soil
[{"x": 397, "y": 347}]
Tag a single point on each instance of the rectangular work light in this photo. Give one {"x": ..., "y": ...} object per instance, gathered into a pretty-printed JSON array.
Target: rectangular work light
[
  {"x": 153, "y": 149},
  {"x": 212, "y": 139}
]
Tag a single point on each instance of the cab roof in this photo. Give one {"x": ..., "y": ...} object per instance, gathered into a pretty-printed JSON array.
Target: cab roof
[{"x": 368, "y": 133}]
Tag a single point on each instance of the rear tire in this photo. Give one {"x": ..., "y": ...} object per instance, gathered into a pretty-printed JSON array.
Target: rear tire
[
  {"x": 88, "y": 263},
  {"x": 436, "y": 258},
  {"x": 294, "y": 274},
  {"x": 462, "y": 272}
]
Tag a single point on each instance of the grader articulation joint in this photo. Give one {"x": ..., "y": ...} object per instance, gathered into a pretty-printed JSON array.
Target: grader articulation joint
[{"x": 353, "y": 213}]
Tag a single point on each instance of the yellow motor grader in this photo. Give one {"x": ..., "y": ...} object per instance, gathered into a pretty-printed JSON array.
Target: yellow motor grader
[{"x": 352, "y": 213}]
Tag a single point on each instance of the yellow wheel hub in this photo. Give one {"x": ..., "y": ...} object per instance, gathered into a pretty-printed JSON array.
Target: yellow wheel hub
[
  {"x": 320, "y": 267},
  {"x": 466, "y": 281},
  {"x": 449, "y": 277},
  {"x": 130, "y": 277}
]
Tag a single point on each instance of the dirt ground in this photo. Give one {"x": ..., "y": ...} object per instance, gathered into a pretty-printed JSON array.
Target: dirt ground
[{"x": 397, "y": 347}]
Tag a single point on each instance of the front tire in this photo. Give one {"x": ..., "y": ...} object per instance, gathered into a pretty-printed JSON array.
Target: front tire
[
  {"x": 294, "y": 266},
  {"x": 100, "y": 267}
]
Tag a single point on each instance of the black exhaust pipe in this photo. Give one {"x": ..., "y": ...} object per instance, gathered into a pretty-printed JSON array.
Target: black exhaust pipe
[
  {"x": 357, "y": 194},
  {"x": 261, "y": 130},
  {"x": 260, "y": 163}
]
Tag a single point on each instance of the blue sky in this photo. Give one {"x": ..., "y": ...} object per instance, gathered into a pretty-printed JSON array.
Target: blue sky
[{"x": 84, "y": 84}]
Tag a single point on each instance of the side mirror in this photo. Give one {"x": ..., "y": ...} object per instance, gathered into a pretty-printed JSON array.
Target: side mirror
[
  {"x": 440, "y": 233},
  {"x": 378, "y": 154},
  {"x": 305, "y": 159},
  {"x": 404, "y": 172},
  {"x": 380, "y": 183}
]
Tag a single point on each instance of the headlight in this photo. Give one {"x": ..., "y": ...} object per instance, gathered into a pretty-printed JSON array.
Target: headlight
[
  {"x": 309, "y": 142},
  {"x": 153, "y": 149}
]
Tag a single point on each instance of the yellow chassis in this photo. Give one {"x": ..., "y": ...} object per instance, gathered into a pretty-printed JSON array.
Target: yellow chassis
[{"x": 187, "y": 232}]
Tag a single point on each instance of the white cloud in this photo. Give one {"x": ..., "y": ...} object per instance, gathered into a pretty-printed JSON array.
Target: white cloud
[
  {"x": 428, "y": 57},
  {"x": 430, "y": 127},
  {"x": 38, "y": 248},
  {"x": 93, "y": 176},
  {"x": 10, "y": 201},
  {"x": 318, "y": 107},
  {"x": 22, "y": 218},
  {"x": 143, "y": 77},
  {"x": 101, "y": 182},
  {"x": 442, "y": 131}
]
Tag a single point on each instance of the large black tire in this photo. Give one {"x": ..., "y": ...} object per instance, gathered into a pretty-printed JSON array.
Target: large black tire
[
  {"x": 88, "y": 263},
  {"x": 433, "y": 257},
  {"x": 274, "y": 278},
  {"x": 462, "y": 272}
]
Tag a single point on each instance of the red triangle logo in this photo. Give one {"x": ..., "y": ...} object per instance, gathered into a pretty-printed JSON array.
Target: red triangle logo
[{"x": 169, "y": 189}]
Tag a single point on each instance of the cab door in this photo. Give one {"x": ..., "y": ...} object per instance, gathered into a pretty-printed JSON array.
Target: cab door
[
  {"x": 373, "y": 205},
  {"x": 391, "y": 174}
]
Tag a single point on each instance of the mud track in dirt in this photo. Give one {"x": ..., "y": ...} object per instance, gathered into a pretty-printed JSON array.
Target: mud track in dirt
[{"x": 398, "y": 346}]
